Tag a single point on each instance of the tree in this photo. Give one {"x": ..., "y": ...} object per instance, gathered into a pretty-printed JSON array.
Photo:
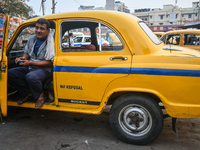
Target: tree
[{"x": 15, "y": 8}]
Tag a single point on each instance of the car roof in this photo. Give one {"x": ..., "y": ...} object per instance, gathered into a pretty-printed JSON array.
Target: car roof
[
  {"x": 191, "y": 31},
  {"x": 104, "y": 15}
]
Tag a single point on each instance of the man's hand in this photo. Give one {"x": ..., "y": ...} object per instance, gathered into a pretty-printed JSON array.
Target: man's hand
[
  {"x": 22, "y": 58},
  {"x": 19, "y": 58},
  {"x": 25, "y": 62}
]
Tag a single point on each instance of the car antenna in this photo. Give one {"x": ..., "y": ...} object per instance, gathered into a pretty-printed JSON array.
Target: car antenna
[
  {"x": 166, "y": 43},
  {"x": 170, "y": 48}
]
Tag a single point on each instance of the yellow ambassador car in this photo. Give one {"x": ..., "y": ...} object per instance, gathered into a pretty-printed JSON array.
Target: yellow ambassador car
[
  {"x": 139, "y": 77},
  {"x": 186, "y": 38}
]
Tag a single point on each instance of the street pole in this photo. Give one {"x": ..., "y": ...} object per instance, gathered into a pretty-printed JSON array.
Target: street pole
[
  {"x": 198, "y": 10},
  {"x": 53, "y": 6},
  {"x": 43, "y": 7}
]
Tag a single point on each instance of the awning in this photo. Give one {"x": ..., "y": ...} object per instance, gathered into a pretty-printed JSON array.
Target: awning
[{"x": 191, "y": 25}]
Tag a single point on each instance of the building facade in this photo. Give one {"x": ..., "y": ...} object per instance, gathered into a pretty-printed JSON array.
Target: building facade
[
  {"x": 110, "y": 5},
  {"x": 168, "y": 18}
]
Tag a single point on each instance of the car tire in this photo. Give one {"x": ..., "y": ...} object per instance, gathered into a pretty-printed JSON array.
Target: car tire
[{"x": 136, "y": 119}]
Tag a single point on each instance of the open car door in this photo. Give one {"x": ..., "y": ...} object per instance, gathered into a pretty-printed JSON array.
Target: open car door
[{"x": 3, "y": 69}]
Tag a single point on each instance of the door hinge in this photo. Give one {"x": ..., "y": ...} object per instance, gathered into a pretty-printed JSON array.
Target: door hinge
[{"x": 3, "y": 67}]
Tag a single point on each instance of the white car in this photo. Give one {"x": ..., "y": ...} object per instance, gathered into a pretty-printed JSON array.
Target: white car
[{"x": 85, "y": 40}]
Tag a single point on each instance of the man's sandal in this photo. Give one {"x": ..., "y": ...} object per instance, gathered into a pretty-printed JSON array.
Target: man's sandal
[
  {"x": 40, "y": 101},
  {"x": 27, "y": 98}
]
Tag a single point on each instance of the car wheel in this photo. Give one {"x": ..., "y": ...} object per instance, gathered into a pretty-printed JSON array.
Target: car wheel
[{"x": 136, "y": 119}]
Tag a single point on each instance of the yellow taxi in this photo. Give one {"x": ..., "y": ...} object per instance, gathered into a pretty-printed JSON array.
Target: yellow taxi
[
  {"x": 159, "y": 34},
  {"x": 111, "y": 38},
  {"x": 139, "y": 77},
  {"x": 186, "y": 38}
]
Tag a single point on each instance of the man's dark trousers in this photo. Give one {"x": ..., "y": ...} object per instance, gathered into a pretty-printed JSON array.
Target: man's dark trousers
[{"x": 26, "y": 81}]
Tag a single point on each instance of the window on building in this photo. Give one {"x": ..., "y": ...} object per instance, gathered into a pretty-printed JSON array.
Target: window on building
[
  {"x": 161, "y": 28},
  {"x": 160, "y": 23},
  {"x": 145, "y": 19},
  {"x": 151, "y": 24},
  {"x": 182, "y": 15},
  {"x": 189, "y": 15},
  {"x": 161, "y": 16},
  {"x": 85, "y": 29},
  {"x": 167, "y": 15},
  {"x": 151, "y": 17},
  {"x": 176, "y": 15}
]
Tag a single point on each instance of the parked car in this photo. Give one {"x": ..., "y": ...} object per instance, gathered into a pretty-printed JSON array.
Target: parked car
[
  {"x": 111, "y": 38},
  {"x": 185, "y": 38},
  {"x": 75, "y": 34},
  {"x": 85, "y": 40},
  {"x": 140, "y": 77}
]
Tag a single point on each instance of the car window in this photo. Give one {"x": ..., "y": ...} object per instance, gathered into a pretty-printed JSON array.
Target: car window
[
  {"x": 173, "y": 39},
  {"x": 150, "y": 33},
  {"x": 77, "y": 39},
  {"x": 89, "y": 36},
  {"x": 191, "y": 39},
  {"x": 87, "y": 39},
  {"x": 109, "y": 39},
  {"x": 22, "y": 39}
]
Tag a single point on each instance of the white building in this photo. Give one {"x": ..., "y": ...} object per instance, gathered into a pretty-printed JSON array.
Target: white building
[
  {"x": 110, "y": 5},
  {"x": 119, "y": 6},
  {"x": 169, "y": 17}
]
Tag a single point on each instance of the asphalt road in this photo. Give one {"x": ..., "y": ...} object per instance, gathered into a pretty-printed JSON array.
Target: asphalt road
[{"x": 30, "y": 129}]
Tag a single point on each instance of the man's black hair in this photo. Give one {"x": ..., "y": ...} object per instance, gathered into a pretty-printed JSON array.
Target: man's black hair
[
  {"x": 43, "y": 21},
  {"x": 70, "y": 34}
]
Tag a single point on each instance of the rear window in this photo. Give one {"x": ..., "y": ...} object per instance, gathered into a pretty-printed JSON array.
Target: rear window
[
  {"x": 172, "y": 39},
  {"x": 191, "y": 39},
  {"x": 151, "y": 35}
]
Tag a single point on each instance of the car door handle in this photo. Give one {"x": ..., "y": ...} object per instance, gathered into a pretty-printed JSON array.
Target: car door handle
[{"x": 122, "y": 58}]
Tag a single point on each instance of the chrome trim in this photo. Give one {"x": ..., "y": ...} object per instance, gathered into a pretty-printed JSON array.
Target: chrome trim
[
  {"x": 16, "y": 51},
  {"x": 100, "y": 47},
  {"x": 182, "y": 56},
  {"x": 172, "y": 49}
]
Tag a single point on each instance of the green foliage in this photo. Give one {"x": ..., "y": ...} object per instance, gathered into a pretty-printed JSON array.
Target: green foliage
[{"x": 15, "y": 8}]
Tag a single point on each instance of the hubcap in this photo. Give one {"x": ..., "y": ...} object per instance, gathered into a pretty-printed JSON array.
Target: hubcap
[{"x": 135, "y": 120}]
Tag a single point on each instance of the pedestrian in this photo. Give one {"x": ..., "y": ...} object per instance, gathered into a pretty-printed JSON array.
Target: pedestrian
[{"x": 70, "y": 40}]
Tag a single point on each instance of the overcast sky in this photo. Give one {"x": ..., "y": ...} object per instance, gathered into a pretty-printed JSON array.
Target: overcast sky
[{"x": 72, "y": 5}]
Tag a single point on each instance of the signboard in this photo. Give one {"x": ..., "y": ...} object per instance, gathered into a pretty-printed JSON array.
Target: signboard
[{"x": 172, "y": 17}]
